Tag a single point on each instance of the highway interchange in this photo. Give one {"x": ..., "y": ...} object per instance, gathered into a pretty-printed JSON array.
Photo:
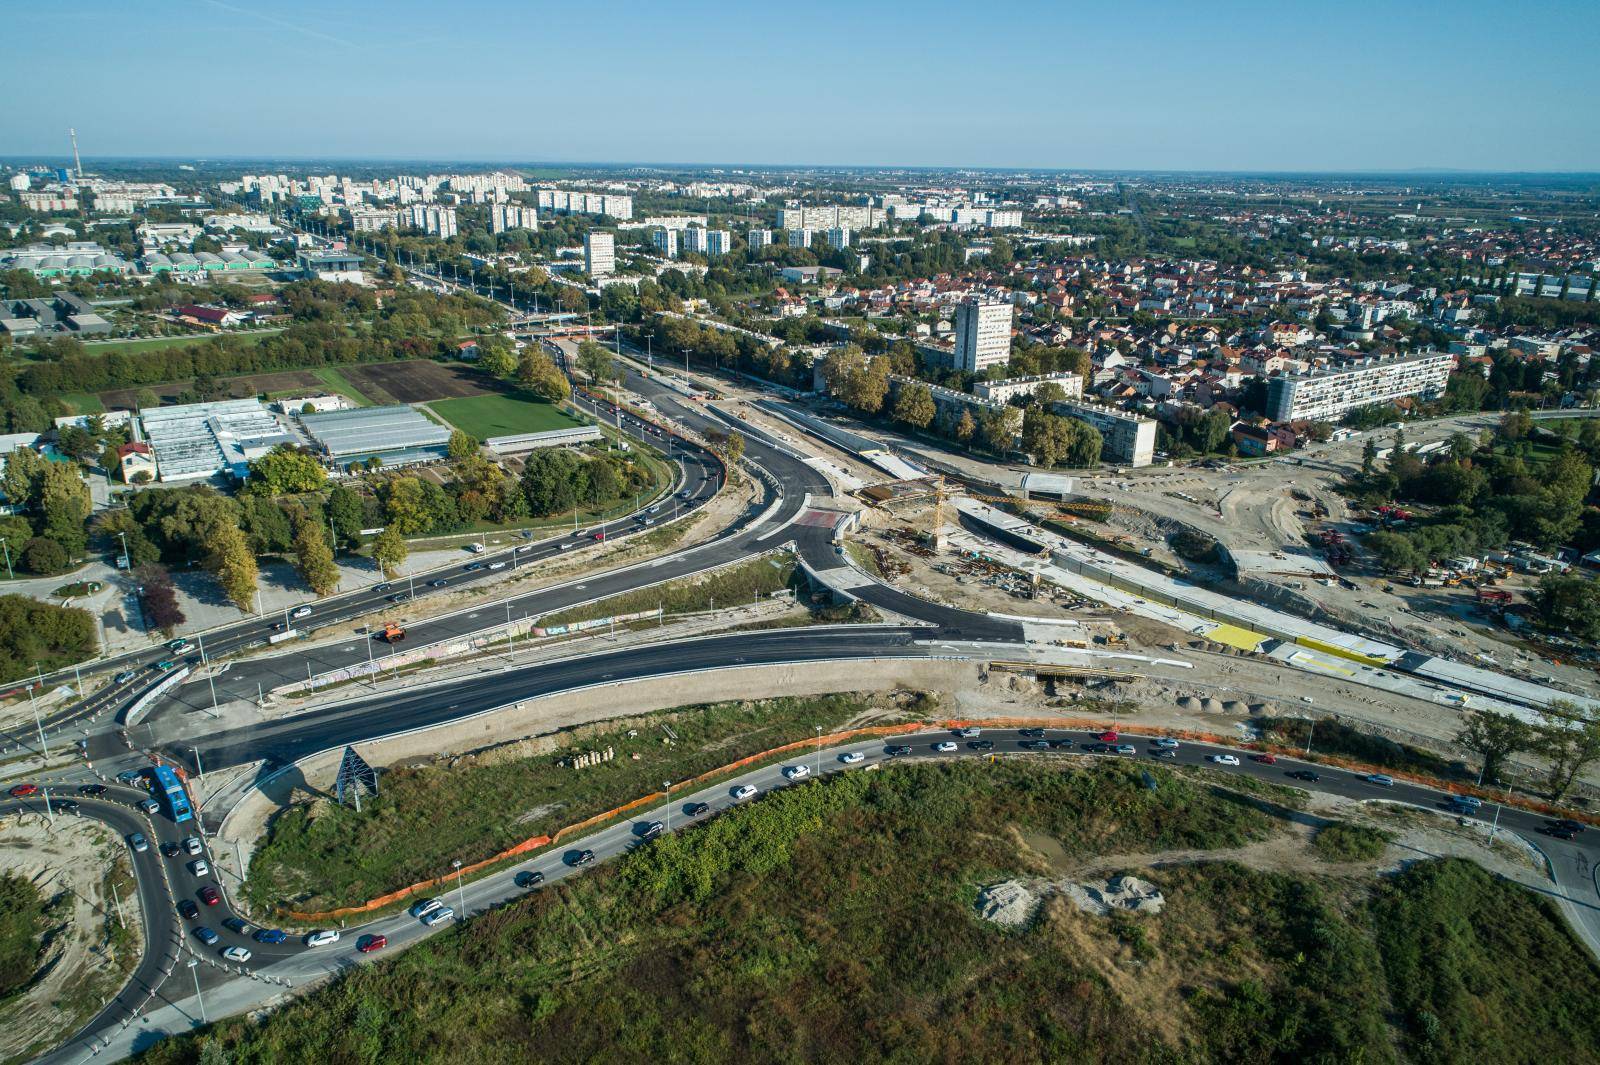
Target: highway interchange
[{"x": 791, "y": 485}]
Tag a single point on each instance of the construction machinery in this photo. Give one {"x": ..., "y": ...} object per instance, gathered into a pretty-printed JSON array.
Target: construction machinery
[{"x": 393, "y": 633}]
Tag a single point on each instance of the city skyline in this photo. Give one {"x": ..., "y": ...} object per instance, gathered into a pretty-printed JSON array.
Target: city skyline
[{"x": 1241, "y": 89}]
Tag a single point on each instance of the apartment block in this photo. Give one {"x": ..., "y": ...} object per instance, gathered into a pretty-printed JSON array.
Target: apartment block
[
  {"x": 718, "y": 242},
  {"x": 1012, "y": 387},
  {"x": 983, "y": 335},
  {"x": 666, "y": 242},
  {"x": 599, "y": 254},
  {"x": 1128, "y": 439},
  {"x": 758, "y": 239},
  {"x": 1326, "y": 395}
]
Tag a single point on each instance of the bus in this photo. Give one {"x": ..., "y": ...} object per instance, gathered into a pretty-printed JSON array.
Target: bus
[{"x": 169, "y": 789}]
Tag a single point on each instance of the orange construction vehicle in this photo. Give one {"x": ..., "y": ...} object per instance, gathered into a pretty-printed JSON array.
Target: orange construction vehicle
[{"x": 393, "y": 633}]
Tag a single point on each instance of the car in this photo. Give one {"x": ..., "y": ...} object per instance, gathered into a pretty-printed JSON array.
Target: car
[
  {"x": 945, "y": 746},
  {"x": 1468, "y": 803},
  {"x": 598, "y": 536},
  {"x": 369, "y": 943},
  {"x": 400, "y": 597},
  {"x": 425, "y": 907},
  {"x": 130, "y": 776},
  {"x": 439, "y": 916},
  {"x": 497, "y": 565},
  {"x": 743, "y": 792},
  {"x": 472, "y": 567},
  {"x": 92, "y": 790},
  {"x": 23, "y": 790},
  {"x": 322, "y": 937},
  {"x": 1123, "y": 748},
  {"x": 1570, "y": 825},
  {"x": 583, "y": 857},
  {"x": 852, "y": 757},
  {"x": 1061, "y": 744},
  {"x": 528, "y": 878},
  {"x": 188, "y": 909},
  {"x": 299, "y": 612},
  {"x": 124, "y": 677},
  {"x": 652, "y": 830},
  {"x": 796, "y": 772},
  {"x": 1555, "y": 831},
  {"x": 165, "y": 666},
  {"x": 1031, "y": 733},
  {"x": 1264, "y": 759},
  {"x": 1034, "y": 745},
  {"x": 381, "y": 588},
  {"x": 237, "y": 925},
  {"x": 1383, "y": 780},
  {"x": 981, "y": 745},
  {"x": 1306, "y": 775},
  {"x": 697, "y": 809},
  {"x": 1164, "y": 743},
  {"x": 969, "y": 731},
  {"x": 1163, "y": 752},
  {"x": 206, "y": 936},
  {"x": 440, "y": 583},
  {"x": 895, "y": 750},
  {"x": 270, "y": 936},
  {"x": 178, "y": 646},
  {"x": 149, "y": 806},
  {"x": 63, "y": 806},
  {"x": 199, "y": 867},
  {"x": 170, "y": 850},
  {"x": 524, "y": 548},
  {"x": 193, "y": 845},
  {"x": 239, "y": 954},
  {"x": 1224, "y": 759},
  {"x": 137, "y": 841},
  {"x": 209, "y": 895}
]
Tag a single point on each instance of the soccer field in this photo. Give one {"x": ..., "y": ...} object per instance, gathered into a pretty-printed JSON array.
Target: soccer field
[{"x": 488, "y": 416}]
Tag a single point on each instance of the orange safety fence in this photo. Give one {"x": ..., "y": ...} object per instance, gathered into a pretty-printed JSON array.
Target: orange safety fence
[{"x": 1073, "y": 723}]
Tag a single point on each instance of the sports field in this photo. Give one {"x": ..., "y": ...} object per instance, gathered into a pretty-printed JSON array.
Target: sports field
[{"x": 502, "y": 415}]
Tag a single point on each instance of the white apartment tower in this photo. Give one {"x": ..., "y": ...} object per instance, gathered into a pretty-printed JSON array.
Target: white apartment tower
[
  {"x": 838, "y": 238},
  {"x": 758, "y": 239},
  {"x": 718, "y": 242},
  {"x": 694, "y": 239},
  {"x": 983, "y": 335},
  {"x": 666, "y": 241},
  {"x": 599, "y": 253},
  {"x": 799, "y": 238}
]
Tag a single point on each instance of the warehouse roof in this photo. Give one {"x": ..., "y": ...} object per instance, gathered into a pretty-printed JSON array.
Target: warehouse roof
[{"x": 369, "y": 430}]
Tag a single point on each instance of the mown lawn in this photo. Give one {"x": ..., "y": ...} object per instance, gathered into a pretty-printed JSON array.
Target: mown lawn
[
  {"x": 835, "y": 922},
  {"x": 502, "y": 415}
]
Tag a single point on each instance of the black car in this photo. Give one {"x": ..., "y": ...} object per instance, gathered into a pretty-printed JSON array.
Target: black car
[
  {"x": 92, "y": 789},
  {"x": 652, "y": 830},
  {"x": 1031, "y": 733},
  {"x": 384, "y": 587},
  {"x": 1569, "y": 824},
  {"x": 1034, "y": 745},
  {"x": 1304, "y": 774},
  {"x": 237, "y": 925},
  {"x": 188, "y": 909},
  {"x": 472, "y": 567},
  {"x": 695, "y": 809},
  {"x": 898, "y": 749},
  {"x": 1100, "y": 748},
  {"x": 400, "y": 598},
  {"x": 981, "y": 745},
  {"x": 529, "y": 878},
  {"x": 440, "y": 583},
  {"x": 583, "y": 857},
  {"x": 1060, "y": 744},
  {"x": 1161, "y": 752},
  {"x": 1556, "y": 830},
  {"x": 64, "y": 806},
  {"x": 170, "y": 850}
]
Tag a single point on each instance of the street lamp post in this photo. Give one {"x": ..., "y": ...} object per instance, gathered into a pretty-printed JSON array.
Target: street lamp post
[
  {"x": 819, "y": 749},
  {"x": 4, "y": 547},
  {"x": 461, "y": 894},
  {"x": 32, "y": 702},
  {"x": 667, "y": 784},
  {"x": 199, "y": 768},
  {"x": 195, "y": 972},
  {"x": 1311, "y": 728},
  {"x": 127, "y": 563}
]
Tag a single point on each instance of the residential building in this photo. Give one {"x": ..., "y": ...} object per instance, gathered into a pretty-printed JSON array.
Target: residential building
[
  {"x": 599, "y": 253},
  {"x": 718, "y": 242},
  {"x": 758, "y": 239},
  {"x": 504, "y": 216},
  {"x": 666, "y": 242},
  {"x": 1326, "y": 395},
  {"x": 435, "y": 221},
  {"x": 136, "y": 458},
  {"x": 694, "y": 239},
  {"x": 1012, "y": 387},
  {"x": 371, "y": 221},
  {"x": 799, "y": 238},
  {"x": 838, "y": 238},
  {"x": 983, "y": 335},
  {"x": 564, "y": 201},
  {"x": 831, "y": 217},
  {"x": 1127, "y": 439}
]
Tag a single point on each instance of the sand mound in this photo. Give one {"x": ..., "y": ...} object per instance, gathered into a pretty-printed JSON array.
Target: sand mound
[
  {"x": 1211, "y": 706},
  {"x": 1234, "y": 706},
  {"x": 1188, "y": 702},
  {"x": 1013, "y": 903},
  {"x": 1010, "y": 903}
]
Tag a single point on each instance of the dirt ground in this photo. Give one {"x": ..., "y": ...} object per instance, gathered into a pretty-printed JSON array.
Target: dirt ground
[
  {"x": 236, "y": 387},
  {"x": 85, "y": 963},
  {"x": 418, "y": 381}
]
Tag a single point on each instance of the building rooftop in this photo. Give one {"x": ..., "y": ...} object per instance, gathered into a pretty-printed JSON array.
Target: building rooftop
[{"x": 372, "y": 430}]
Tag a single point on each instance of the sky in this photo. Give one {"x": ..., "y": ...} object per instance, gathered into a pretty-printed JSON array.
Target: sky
[{"x": 1289, "y": 85}]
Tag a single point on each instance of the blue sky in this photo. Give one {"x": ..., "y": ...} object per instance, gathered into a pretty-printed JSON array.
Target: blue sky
[{"x": 1142, "y": 84}]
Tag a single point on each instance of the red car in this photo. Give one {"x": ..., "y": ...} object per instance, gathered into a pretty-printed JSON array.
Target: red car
[
  {"x": 600, "y": 535},
  {"x": 1108, "y": 737},
  {"x": 1264, "y": 759},
  {"x": 368, "y": 944},
  {"x": 209, "y": 896},
  {"x": 22, "y": 790}
]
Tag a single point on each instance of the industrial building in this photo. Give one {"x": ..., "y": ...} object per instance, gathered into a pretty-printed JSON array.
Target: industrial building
[
  {"x": 395, "y": 436},
  {"x": 78, "y": 258},
  {"x": 1128, "y": 439},
  {"x": 204, "y": 439},
  {"x": 523, "y": 442},
  {"x": 1326, "y": 395}
]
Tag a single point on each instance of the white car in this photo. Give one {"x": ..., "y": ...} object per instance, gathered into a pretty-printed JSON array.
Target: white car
[
  {"x": 192, "y": 845},
  {"x": 302, "y": 612},
  {"x": 439, "y": 916},
  {"x": 476, "y": 549},
  {"x": 199, "y": 867},
  {"x": 946, "y": 747},
  {"x": 851, "y": 757},
  {"x": 497, "y": 565},
  {"x": 1225, "y": 759},
  {"x": 425, "y": 907},
  {"x": 1164, "y": 744},
  {"x": 970, "y": 731},
  {"x": 1383, "y": 780},
  {"x": 323, "y": 938},
  {"x": 743, "y": 792},
  {"x": 236, "y": 953},
  {"x": 796, "y": 772}
]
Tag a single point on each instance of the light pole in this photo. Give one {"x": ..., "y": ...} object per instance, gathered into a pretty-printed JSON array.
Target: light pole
[
  {"x": 32, "y": 702},
  {"x": 819, "y": 749},
  {"x": 667, "y": 784},
  {"x": 9, "y": 574},
  {"x": 1311, "y": 728},
  {"x": 461, "y": 894},
  {"x": 199, "y": 769},
  {"x": 127, "y": 563},
  {"x": 195, "y": 972}
]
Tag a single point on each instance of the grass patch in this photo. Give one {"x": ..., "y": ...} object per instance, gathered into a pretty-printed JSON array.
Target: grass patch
[
  {"x": 320, "y": 856},
  {"x": 1344, "y": 842},
  {"x": 83, "y": 402},
  {"x": 72, "y": 591},
  {"x": 106, "y": 347},
  {"x": 734, "y": 585},
  {"x": 338, "y": 383},
  {"x": 1337, "y": 738},
  {"x": 503, "y": 415},
  {"x": 22, "y": 926}
]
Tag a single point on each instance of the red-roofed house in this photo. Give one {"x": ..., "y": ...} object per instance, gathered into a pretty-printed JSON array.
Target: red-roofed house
[{"x": 136, "y": 458}]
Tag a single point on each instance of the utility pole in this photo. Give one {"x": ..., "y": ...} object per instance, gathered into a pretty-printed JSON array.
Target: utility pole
[
  {"x": 199, "y": 769},
  {"x": 195, "y": 972},
  {"x": 461, "y": 894},
  {"x": 7, "y": 550},
  {"x": 819, "y": 748},
  {"x": 667, "y": 784},
  {"x": 32, "y": 702}
]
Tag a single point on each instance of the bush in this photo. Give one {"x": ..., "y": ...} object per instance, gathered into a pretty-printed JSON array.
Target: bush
[
  {"x": 1344, "y": 842},
  {"x": 22, "y": 923}
]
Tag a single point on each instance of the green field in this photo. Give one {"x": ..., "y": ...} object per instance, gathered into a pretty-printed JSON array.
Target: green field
[
  {"x": 83, "y": 402},
  {"x": 837, "y": 922},
  {"x": 488, "y": 416},
  {"x": 105, "y": 347},
  {"x": 337, "y": 382}
]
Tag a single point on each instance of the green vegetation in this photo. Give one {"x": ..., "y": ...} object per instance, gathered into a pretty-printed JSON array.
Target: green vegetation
[
  {"x": 834, "y": 922},
  {"x": 733, "y": 585},
  {"x": 336, "y": 381},
  {"x": 503, "y": 415},
  {"x": 22, "y": 926},
  {"x": 242, "y": 339},
  {"x": 320, "y": 856},
  {"x": 1344, "y": 842},
  {"x": 35, "y": 635}
]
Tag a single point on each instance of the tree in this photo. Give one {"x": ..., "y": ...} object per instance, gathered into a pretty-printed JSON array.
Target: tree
[
  {"x": 1395, "y": 552},
  {"x": 913, "y": 405},
  {"x": 1570, "y": 739},
  {"x": 539, "y": 375},
  {"x": 344, "y": 511},
  {"x": 233, "y": 564},
  {"x": 1084, "y": 444},
  {"x": 44, "y": 557},
  {"x": 65, "y": 503},
  {"x": 498, "y": 362},
  {"x": 286, "y": 470},
  {"x": 462, "y": 444},
  {"x": 389, "y": 551},
  {"x": 997, "y": 429},
  {"x": 1369, "y": 458},
  {"x": 1568, "y": 603},
  {"x": 733, "y": 447},
  {"x": 158, "y": 600},
  {"x": 1044, "y": 436},
  {"x": 965, "y": 427},
  {"x": 1495, "y": 736},
  {"x": 405, "y": 507},
  {"x": 597, "y": 362},
  {"x": 314, "y": 558},
  {"x": 19, "y": 481}
]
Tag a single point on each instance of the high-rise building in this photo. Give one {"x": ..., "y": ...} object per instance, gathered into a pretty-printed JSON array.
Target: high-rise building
[
  {"x": 799, "y": 238},
  {"x": 563, "y": 201},
  {"x": 666, "y": 241},
  {"x": 504, "y": 216},
  {"x": 718, "y": 242},
  {"x": 983, "y": 335},
  {"x": 436, "y": 221},
  {"x": 599, "y": 253},
  {"x": 838, "y": 238},
  {"x": 694, "y": 239},
  {"x": 758, "y": 239}
]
